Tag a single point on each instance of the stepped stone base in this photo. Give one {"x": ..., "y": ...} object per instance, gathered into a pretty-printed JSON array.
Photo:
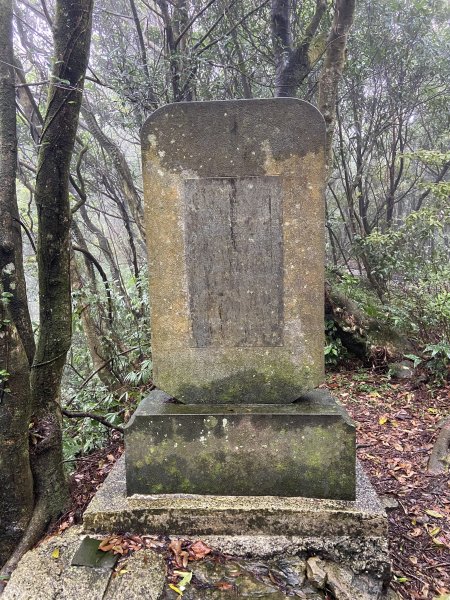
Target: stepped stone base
[
  {"x": 304, "y": 448},
  {"x": 350, "y": 533},
  {"x": 189, "y": 514}
]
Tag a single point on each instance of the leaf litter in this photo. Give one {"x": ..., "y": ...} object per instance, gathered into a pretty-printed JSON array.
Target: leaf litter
[{"x": 397, "y": 424}]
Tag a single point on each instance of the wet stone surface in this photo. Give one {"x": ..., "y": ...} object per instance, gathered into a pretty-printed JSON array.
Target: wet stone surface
[
  {"x": 302, "y": 449},
  {"x": 47, "y": 573},
  {"x": 275, "y": 579}
]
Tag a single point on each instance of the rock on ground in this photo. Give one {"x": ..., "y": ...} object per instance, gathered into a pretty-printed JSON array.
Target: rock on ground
[{"x": 45, "y": 573}]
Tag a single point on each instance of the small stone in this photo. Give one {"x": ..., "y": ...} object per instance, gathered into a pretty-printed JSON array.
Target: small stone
[
  {"x": 345, "y": 585},
  {"x": 292, "y": 569},
  {"x": 401, "y": 370},
  {"x": 389, "y": 503},
  {"x": 309, "y": 593},
  {"x": 315, "y": 571},
  {"x": 249, "y": 580}
]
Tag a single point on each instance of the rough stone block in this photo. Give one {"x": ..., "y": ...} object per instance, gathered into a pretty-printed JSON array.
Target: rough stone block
[{"x": 300, "y": 449}]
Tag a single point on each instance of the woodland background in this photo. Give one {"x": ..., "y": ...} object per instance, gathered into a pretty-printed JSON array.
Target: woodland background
[{"x": 75, "y": 351}]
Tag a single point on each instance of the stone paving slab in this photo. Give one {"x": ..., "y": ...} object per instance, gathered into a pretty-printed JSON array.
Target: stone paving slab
[{"x": 44, "y": 574}]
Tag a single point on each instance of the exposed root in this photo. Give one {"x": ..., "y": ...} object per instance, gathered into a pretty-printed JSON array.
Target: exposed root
[{"x": 439, "y": 461}]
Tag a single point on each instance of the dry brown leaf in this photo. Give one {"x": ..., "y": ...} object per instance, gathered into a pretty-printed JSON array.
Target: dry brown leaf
[{"x": 199, "y": 550}]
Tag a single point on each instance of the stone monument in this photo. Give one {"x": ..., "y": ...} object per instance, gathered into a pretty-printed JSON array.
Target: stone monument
[
  {"x": 235, "y": 230},
  {"x": 236, "y": 444}
]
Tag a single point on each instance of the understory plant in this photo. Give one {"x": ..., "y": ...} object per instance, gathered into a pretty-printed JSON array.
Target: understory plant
[
  {"x": 411, "y": 265},
  {"x": 128, "y": 343}
]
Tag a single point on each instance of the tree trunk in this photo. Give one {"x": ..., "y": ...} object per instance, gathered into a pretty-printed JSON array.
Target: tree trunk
[
  {"x": 72, "y": 32},
  {"x": 333, "y": 66},
  {"x": 100, "y": 354},
  {"x": 16, "y": 491},
  {"x": 126, "y": 180},
  {"x": 292, "y": 63},
  {"x": 16, "y": 335}
]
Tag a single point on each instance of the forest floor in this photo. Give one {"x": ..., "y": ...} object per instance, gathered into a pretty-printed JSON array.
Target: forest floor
[{"x": 397, "y": 424}]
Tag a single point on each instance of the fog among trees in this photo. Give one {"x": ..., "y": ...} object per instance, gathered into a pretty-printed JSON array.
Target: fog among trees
[{"x": 77, "y": 81}]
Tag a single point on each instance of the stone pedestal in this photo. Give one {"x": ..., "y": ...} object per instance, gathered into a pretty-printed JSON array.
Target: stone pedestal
[
  {"x": 190, "y": 514},
  {"x": 306, "y": 448}
]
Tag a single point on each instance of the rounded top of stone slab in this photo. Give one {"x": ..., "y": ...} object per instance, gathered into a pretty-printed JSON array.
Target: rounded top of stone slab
[{"x": 233, "y": 137}]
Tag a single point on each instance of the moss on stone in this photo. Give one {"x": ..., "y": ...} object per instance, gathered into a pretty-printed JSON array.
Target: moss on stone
[{"x": 287, "y": 454}]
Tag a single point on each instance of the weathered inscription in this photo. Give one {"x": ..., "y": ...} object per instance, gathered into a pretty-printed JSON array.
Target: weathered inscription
[{"x": 234, "y": 260}]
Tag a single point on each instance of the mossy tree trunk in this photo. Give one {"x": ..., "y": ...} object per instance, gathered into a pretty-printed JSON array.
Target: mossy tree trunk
[
  {"x": 72, "y": 33},
  {"x": 333, "y": 66},
  {"x": 16, "y": 335}
]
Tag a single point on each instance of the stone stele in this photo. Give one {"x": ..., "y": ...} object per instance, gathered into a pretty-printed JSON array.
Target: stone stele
[{"x": 235, "y": 232}]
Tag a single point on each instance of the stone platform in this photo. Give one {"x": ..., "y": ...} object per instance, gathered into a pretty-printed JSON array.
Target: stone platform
[
  {"x": 350, "y": 533},
  {"x": 189, "y": 514},
  {"x": 304, "y": 448}
]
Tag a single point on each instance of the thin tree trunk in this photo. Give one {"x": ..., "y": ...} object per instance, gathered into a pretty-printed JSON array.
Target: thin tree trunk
[
  {"x": 126, "y": 181},
  {"x": 333, "y": 66},
  {"x": 292, "y": 63},
  {"x": 72, "y": 33},
  {"x": 99, "y": 353},
  {"x": 16, "y": 335}
]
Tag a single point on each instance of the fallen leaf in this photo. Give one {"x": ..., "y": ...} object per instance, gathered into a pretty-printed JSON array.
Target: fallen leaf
[
  {"x": 416, "y": 532},
  {"x": 199, "y": 550},
  {"x": 175, "y": 589},
  {"x": 180, "y": 555},
  {"x": 55, "y": 553},
  {"x": 224, "y": 585},
  {"x": 439, "y": 542},
  {"x": 434, "y": 513},
  {"x": 186, "y": 577},
  {"x": 382, "y": 420}
]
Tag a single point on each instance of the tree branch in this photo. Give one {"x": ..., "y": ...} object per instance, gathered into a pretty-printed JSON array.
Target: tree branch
[{"x": 94, "y": 417}]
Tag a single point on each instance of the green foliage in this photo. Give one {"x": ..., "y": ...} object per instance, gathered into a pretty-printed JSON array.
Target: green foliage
[
  {"x": 131, "y": 367},
  {"x": 334, "y": 350},
  {"x": 4, "y": 376},
  {"x": 411, "y": 265},
  {"x": 142, "y": 375},
  {"x": 438, "y": 356},
  {"x": 435, "y": 358}
]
